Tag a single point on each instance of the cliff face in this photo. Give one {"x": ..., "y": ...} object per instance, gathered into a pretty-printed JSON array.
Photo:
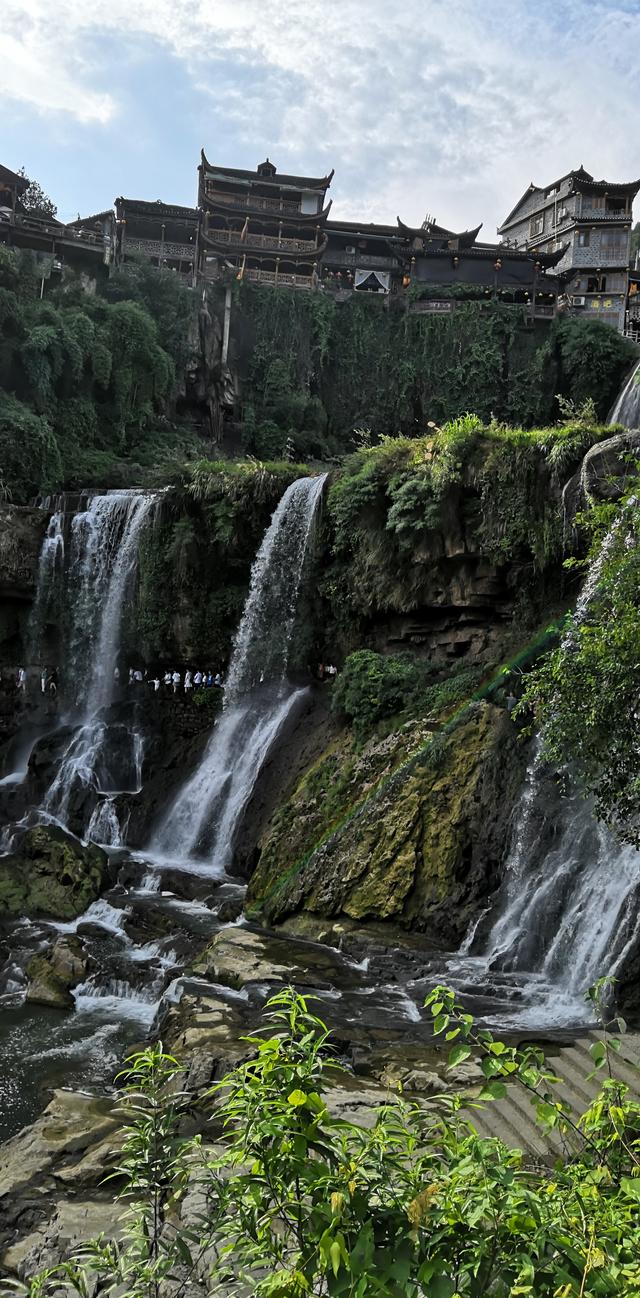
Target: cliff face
[
  {"x": 412, "y": 830},
  {"x": 21, "y": 534}
]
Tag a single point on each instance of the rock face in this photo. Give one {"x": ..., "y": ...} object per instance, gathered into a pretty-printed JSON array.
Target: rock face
[
  {"x": 418, "y": 841},
  {"x": 50, "y": 873}
]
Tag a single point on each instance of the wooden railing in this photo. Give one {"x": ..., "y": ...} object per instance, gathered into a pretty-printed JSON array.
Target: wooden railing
[
  {"x": 284, "y": 278},
  {"x": 269, "y": 241},
  {"x": 252, "y": 200},
  {"x": 156, "y": 248}
]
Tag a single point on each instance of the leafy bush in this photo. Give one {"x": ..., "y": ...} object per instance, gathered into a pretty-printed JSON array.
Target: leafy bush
[
  {"x": 373, "y": 686},
  {"x": 296, "y": 1202}
]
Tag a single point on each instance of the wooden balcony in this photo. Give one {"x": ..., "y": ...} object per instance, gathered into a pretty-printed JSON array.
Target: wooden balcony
[
  {"x": 271, "y": 243},
  {"x": 256, "y": 201},
  {"x": 279, "y": 278}
]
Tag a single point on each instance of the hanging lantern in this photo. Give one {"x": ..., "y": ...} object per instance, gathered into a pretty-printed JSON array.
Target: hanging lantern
[{"x": 497, "y": 265}]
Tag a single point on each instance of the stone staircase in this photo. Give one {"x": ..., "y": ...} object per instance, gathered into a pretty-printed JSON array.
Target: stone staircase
[{"x": 513, "y": 1119}]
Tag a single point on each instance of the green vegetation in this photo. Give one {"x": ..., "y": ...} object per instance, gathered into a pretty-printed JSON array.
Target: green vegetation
[
  {"x": 585, "y": 692},
  {"x": 296, "y": 1202},
  {"x": 373, "y": 687},
  {"x": 486, "y": 490},
  {"x": 85, "y": 379},
  {"x": 314, "y": 370}
]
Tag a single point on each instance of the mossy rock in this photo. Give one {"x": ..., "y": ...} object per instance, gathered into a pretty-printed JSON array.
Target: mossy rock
[
  {"x": 52, "y": 874},
  {"x": 423, "y": 849}
]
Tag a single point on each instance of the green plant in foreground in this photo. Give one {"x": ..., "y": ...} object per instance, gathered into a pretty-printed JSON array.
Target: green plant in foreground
[{"x": 297, "y": 1202}]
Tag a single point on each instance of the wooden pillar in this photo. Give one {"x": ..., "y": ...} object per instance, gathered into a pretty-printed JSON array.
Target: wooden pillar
[
  {"x": 161, "y": 244},
  {"x": 277, "y": 268}
]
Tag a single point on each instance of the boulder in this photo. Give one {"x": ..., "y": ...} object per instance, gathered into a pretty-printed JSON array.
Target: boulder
[
  {"x": 52, "y": 975},
  {"x": 50, "y": 873}
]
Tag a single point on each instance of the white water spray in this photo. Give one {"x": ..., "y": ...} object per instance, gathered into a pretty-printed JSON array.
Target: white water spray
[{"x": 205, "y": 816}]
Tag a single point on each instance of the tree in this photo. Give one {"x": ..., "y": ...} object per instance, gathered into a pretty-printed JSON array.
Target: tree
[{"x": 34, "y": 200}]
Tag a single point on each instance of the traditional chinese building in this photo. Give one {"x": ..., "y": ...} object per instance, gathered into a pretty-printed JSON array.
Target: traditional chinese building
[
  {"x": 261, "y": 225},
  {"x": 164, "y": 233},
  {"x": 391, "y": 259},
  {"x": 590, "y": 220}
]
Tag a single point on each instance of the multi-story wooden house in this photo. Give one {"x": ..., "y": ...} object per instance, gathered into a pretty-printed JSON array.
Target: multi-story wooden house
[
  {"x": 261, "y": 225},
  {"x": 591, "y": 220}
]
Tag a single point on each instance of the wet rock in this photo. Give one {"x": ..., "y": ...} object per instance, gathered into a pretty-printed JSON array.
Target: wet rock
[
  {"x": 51, "y": 873},
  {"x": 71, "y": 1123},
  {"x": 52, "y": 976},
  {"x": 239, "y": 956},
  {"x": 419, "y": 838}
]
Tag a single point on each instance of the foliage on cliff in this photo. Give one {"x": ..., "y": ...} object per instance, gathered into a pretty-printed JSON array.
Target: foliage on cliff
[
  {"x": 397, "y": 509},
  {"x": 585, "y": 693},
  {"x": 292, "y": 1201},
  {"x": 85, "y": 378},
  {"x": 313, "y": 370}
]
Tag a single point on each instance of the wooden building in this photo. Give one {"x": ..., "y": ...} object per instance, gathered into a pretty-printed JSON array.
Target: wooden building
[
  {"x": 164, "y": 233},
  {"x": 402, "y": 261},
  {"x": 261, "y": 225},
  {"x": 590, "y": 221},
  {"x": 85, "y": 246}
]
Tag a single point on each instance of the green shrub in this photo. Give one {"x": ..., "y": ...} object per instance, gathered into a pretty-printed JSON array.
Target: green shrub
[
  {"x": 373, "y": 687},
  {"x": 296, "y": 1202}
]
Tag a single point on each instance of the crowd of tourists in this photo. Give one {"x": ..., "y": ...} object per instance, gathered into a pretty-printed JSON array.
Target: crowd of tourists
[
  {"x": 172, "y": 681},
  {"x": 48, "y": 681}
]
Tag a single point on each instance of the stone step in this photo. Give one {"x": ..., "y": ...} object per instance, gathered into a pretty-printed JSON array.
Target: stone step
[{"x": 513, "y": 1118}]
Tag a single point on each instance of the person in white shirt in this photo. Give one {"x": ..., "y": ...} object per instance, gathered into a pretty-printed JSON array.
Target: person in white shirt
[
  {"x": 176, "y": 681},
  {"x": 156, "y": 684},
  {"x": 197, "y": 680},
  {"x": 22, "y": 680},
  {"x": 188, "y": 682},
  {"x": 167, "y": 679}
]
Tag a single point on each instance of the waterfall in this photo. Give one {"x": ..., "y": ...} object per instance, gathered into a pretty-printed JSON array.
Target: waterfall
[
  {"x": 50, "y": 573},
  {"x": 568, "y": 910},
  {"x": 104, "y": 826},
  {"x": 207, "y": 811},
  {"x": 627, "y": 408},
  {"x": 103, "y": 564}
]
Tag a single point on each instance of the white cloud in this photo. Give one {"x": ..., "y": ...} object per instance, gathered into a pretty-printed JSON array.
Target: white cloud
[{"x": 446, "y": 105}]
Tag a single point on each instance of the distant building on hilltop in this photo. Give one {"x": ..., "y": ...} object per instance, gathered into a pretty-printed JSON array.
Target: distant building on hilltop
[
  {"x": 591, "y": 220},
  {"x": 264, "y": 226}
]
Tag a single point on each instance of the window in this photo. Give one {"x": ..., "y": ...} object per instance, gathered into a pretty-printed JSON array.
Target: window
[
  {"x": 597, "y": 284},
  {"x": 536, "y": 225},
  {"x": 562, "y": 215},
  {"x": 614, "y": 241},
  {"x": 584, "y": 238},
  {"x": 616, "y": 205}
]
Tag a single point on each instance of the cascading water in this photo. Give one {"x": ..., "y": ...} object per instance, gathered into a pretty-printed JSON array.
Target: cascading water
[
  {"x": 627, "y": 408},
  {"x": 103, "y": 563},
  {"x": 50, "y": 574},
  {"x": 568, "y": 910},
  {"x": 207, "y": 811}
]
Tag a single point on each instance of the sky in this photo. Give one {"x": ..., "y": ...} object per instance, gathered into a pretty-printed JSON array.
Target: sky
[{"x": 445, "y": 107}]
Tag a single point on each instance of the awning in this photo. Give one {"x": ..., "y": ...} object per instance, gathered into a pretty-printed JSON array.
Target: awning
[{"x": 374, "y": 280}]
